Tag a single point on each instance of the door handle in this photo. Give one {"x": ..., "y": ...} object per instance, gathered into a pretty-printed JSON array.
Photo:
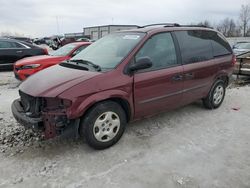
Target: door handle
[
  {"x": 19, "y": 51},
  {"x": 189, "y": 75},
  {"x": 177, "y": 77}
]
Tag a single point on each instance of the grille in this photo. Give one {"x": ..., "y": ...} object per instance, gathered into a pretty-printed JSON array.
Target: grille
[{"x": 30, "y": 104}]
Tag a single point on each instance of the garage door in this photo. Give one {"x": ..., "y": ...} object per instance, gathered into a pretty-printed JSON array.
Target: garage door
[
  {"x": 94, "y": 35},
  {"x": 103, "y": 33}
]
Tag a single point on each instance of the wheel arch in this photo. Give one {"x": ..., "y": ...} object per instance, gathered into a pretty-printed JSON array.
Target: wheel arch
[
  {"x": 121, "y": 97},
  {"x": 122, "y": 102},
  {"x": 222, "y": 76}
]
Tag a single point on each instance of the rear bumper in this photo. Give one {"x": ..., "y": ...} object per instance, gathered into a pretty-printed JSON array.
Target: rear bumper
[{"x": 22, "y": 118}]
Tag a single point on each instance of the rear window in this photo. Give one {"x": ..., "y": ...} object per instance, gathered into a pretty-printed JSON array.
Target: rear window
[
  {"x": 195, "y": 46},
  {"x": 220, "y": 45},
  {"x": 63, "y": 51},
  {"x": 17, "y": 45}
]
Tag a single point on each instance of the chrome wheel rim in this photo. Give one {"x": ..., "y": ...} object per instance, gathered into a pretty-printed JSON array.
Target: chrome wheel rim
[
  {"x": 106, "y": 126},
  {"x": 218, "y": 94}
]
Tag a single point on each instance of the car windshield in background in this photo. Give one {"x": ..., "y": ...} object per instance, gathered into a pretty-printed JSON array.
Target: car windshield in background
[
  {"x": 245, "y": 45},
  {"x": 63, "y": 51},
  {"x": 110, "y": 50}
]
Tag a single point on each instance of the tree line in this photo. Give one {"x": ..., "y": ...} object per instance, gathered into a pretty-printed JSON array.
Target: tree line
[{"x": 233, "y": 28}]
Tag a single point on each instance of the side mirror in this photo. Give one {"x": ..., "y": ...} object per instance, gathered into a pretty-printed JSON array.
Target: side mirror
[{"x": 141, "y": 63}]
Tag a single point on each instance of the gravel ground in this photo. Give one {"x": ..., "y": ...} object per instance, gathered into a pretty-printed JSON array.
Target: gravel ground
[{"x": 188, "y": 147}]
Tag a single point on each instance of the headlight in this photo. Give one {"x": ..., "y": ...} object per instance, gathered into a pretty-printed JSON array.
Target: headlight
[
  {"x": 31, "y": 66},
  {"x": 56, "y": 103}
]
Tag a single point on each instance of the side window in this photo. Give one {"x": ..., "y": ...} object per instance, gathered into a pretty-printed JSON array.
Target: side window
[
  {"x": 17, "y": 45},
  {"x": 160, "y": 49},
  {"x": 6, "y": 44},
  {"x": 195, "y": 46},
  {"x": 220, "y": 45},
  {"x": 78, "y": 50}
]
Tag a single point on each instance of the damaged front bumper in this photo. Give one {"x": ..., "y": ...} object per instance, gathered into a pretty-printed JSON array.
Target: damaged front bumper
[
  {"x": 20, "y": 115},
  {"x": 52, "y": 124}
]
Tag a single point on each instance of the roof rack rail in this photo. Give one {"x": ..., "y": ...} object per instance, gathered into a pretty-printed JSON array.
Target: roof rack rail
[
  {"x": 163, "y": 24},
  {"x": 173, "y": 25},
  {"x": 199, "y": 25}
]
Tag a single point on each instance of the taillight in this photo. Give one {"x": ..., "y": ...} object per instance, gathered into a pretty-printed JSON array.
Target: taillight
[
  {"x": 234, "y": 60},
  {"x": 45, "y": 51}
]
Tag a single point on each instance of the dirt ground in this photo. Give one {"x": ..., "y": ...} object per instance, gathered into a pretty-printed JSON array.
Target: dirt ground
[{"x": 188, "y": 147}]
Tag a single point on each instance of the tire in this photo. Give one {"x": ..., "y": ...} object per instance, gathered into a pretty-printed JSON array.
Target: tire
[
  {"x": 216, "y": 95},
  {"x": 103, "y": 125}
]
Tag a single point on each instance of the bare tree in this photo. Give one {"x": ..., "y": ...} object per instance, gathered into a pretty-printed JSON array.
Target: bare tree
[
  {"x": 245, "y": 18},
  {"x": 205, "y": 23},
  {"x": 228, "y": 27}
]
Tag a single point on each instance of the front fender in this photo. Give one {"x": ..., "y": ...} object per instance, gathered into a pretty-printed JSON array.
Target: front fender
[{"x": 81, "y": 105}]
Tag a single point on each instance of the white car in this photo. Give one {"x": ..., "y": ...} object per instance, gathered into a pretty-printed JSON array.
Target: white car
[{"x": 241, "y": 47}]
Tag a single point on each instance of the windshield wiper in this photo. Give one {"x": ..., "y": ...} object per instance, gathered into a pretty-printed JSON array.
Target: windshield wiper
[{"x": 81, "y": 61}]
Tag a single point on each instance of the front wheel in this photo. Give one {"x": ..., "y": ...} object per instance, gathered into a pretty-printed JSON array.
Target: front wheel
[
  {"x": 216, "y": 95},
  {"x": 103, "y": 125}
]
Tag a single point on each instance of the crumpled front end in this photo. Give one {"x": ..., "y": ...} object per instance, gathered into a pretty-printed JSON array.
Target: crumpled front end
[{"x": 48, "y": 115}]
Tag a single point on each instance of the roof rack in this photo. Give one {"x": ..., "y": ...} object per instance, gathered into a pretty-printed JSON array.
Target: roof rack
[
  {"x": 163, "y": 24},
  {"x": 173, "y": 25},
  {"x": 199, "y": 25}
]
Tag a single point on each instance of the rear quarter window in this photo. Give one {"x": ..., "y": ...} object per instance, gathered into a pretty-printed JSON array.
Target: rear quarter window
[
  {"x": 220, "y": 45},
  {"x": 195, "y": 46},
  {"x": 17, "y": 45}
]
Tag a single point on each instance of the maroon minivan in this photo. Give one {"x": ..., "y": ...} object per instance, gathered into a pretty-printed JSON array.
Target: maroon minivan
[{"x": 123, "y": 77}]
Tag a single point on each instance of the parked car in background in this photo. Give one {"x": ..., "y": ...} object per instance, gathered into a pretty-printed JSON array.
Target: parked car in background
[
  {"x": 84, "y": 39},
  {"x": 241, "y": 48},
  {"x": 12, "y": 50},
  {"x": 28, "y": 66},
  {"x": 126, "y": 76},
  {"x": 58, "y": 42},
  {"x": 242, "y": 66},
  {"x": 45, "y": 40},
  {"x": 65, "y": 41}
]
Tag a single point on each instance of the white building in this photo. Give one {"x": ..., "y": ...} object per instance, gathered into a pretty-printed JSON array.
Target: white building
[{"x": 97, "y": 32}]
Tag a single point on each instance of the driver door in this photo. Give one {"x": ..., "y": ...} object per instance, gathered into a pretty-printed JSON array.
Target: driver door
[{"x": 160, "y": 87}]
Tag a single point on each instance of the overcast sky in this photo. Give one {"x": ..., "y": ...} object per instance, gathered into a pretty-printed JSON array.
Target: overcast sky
[{"x": 40, "y": 17}]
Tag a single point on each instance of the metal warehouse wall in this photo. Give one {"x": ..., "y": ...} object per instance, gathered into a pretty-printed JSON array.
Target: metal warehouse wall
[{"x": 100, "y": 31}]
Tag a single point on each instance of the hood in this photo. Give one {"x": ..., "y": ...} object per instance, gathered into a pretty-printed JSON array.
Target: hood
[
  {"x": 54, "y": 80},
  {"x": 39, "y": 60}
]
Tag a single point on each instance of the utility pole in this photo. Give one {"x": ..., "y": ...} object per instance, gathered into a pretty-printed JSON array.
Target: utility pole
[{"x": 57, "y": 24}]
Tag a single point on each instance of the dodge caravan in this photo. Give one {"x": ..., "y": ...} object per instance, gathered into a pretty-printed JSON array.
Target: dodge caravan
[{"x": 126, "y": 76}]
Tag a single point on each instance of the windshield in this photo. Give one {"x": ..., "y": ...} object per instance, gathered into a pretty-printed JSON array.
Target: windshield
[
  {"x": 110, "y": 50},
  {"x": 63, "y": 51},
  {"x": 243, "y": 45}
]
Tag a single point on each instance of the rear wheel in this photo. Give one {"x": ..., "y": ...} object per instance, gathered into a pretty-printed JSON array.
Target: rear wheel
[
  {"x": 103, "y": 125},
  {"x": 216, "y": 95}
]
